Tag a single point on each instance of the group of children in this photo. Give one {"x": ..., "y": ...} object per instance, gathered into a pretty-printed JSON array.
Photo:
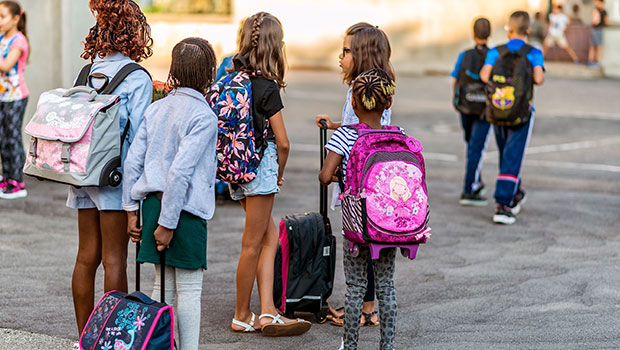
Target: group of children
[
  {"x": 477, "y": 65},
  {"x": 169, "y": 162}
]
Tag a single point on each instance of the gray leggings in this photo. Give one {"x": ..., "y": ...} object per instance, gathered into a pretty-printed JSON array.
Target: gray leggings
[{"x": 355, "y": 273}]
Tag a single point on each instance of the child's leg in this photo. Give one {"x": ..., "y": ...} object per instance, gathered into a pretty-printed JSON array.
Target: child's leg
[
  {"x": 388, "y": 307},
  {"x": 265, "y": 270},
  {"x": 171, "y": 285},
  {"x": 257, "y": 218},
  {"x": 189, "y": 292},
  {"x": 511, "y": 158},
  {"x": 476, "y": 148},
  {"x": 86, "y": 264},
  {"x": 4, "y": 130},
  {"x": 14, "y": 146},
  {"x": 114, "y": 239},
  {"x": 355, "y": 269}
]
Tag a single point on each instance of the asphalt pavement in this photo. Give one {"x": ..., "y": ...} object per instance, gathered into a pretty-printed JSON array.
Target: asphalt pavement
[{"x": 550, "y": 281}]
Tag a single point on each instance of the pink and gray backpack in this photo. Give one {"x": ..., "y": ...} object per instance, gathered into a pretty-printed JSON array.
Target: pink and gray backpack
[{"x": 385, "y": 202}]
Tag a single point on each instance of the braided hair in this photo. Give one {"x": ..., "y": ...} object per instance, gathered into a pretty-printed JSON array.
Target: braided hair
[
  {"x": 261, "y": 46},
  {"x": 193, "y": 65},
  {"x": 373, "y": 89}
]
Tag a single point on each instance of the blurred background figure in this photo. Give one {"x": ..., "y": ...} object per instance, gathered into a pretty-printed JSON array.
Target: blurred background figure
[
  {"x": 599, "y": 20},
  {"x": 558, "y": 22}
]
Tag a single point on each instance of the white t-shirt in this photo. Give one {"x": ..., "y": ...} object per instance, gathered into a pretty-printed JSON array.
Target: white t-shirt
[{"x": 557, "y": 24}]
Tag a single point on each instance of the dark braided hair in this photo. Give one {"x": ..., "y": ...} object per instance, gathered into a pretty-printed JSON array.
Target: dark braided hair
[
  {"x": 193, "y": 65},
  {"x": 373, "y": 89}
]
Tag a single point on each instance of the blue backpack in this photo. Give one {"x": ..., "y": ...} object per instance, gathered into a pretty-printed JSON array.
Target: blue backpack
[
  {"x": 123, "y": 321},
  {"x": 237, "y": 153}
]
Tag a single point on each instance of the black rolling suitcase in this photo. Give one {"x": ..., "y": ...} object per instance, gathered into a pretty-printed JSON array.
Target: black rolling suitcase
[{"x": 306, "y": 258}]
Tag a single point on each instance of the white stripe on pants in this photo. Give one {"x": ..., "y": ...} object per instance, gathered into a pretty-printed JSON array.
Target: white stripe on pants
[{"x": 185, "y": 288}]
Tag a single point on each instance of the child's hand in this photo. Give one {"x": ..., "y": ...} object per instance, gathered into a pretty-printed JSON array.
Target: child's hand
[
  {"x": 280, "y": 181},
  {"x": 330, "y": 124},
  {"x": 133, "y": 230},
  {"x": 163, "y": 236}
]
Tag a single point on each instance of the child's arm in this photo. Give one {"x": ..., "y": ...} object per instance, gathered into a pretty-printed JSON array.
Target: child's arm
[
  {"x": 132, "y": 170},
  {"x": 10, "y": 60},
  {"x": 539, "y": 75},
  {"x": 330, "y": 125},
  {"x": 326, "y": 176},
  {"x": 485, "y": 73},
  {"x": 282, "y": 143}
]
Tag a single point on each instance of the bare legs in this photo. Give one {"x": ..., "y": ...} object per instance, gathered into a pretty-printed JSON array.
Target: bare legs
[
  {"x": 258, "y": 251},
  {"x": 102, "y": 237}
]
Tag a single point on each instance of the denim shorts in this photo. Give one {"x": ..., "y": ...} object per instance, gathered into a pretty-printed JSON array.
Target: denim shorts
[
  {"x": 266, "y": 181},
  {"x": 102, "y": 198}
]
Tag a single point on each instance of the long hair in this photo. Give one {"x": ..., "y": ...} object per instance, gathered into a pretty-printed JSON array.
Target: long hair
[
  {"x": 16, "y": 10},
  {"x": 121, "y": 27},
  {"x": 261, "y": 45},
  {"x": 193, "y": 65},
  {"x": 371, "y": 49}
]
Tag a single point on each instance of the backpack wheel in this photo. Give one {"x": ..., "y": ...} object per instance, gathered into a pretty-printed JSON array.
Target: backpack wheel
[
  {"x": 404, "y": 252},
  {"x": 321, "y": 316},
  {"x": 115, "y": 178}
]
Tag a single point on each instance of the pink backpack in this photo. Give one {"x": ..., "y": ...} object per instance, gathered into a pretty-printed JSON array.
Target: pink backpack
[{"x": 385, "y": 202}]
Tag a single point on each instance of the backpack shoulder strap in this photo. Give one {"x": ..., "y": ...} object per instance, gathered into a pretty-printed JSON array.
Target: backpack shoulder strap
[
  {"x": 525, "y": 49},
  {"x": 82, "y": 78},
  {"x": 121, "y": 75},
  {"x": 503, "y": 50}
]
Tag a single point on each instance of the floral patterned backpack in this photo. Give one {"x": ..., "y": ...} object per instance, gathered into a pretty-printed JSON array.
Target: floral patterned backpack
[
  {"x": 385, "y": 203},
  {"x": 237, "y": 153}
]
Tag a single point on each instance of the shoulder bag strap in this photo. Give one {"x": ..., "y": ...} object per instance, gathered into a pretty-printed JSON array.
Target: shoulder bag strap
[
  {"x": 121, "y": 75},
  {"x": 82, "y": 78}
]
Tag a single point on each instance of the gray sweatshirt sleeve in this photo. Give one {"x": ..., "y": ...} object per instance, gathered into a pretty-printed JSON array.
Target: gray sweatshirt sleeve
[
  {"x": 190, "y": 152},
  {"x": 134, "y": 167}
]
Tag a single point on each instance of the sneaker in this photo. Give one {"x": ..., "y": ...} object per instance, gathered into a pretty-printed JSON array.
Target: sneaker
[
  {"x": 3, "y": 184},
  {"x": 14, "y": 190},
  {"x": 518, "y": 201},
  {"x": 472, "y": 199},
  {"x": 503, "y": 215},
  {"x": 76, "y": 346},
  {"x": 482, "y": 190}
]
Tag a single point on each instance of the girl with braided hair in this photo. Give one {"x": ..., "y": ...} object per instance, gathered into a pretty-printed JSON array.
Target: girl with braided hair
[
  {"x": 119, "y": 37},
  {"x": 261, "y": 55},
  {"x": 372, "y": 95},
  {"x": 178, "y": 134},
  {"x": 365, "y": 47}
]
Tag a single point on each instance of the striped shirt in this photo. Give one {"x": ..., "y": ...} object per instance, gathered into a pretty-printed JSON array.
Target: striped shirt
[{"x": 341, "y": 143}]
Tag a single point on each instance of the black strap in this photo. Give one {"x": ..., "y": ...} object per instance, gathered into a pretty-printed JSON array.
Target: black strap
[
  {"x": 121, "y": 75},
  {"x": 525, "y": 49},
  {"x": 82, "y": 78},
  {"x": 502, "y": 50}
]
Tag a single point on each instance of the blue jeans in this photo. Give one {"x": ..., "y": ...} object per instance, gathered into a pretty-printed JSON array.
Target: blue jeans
[
  {"x": 476, "y": 134},
  {"x": 511, "y": 144}
]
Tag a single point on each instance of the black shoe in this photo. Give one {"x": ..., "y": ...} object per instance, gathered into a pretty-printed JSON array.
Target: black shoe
[
  {"x": 503, "y": 215},
  {"x": 482, "y": 190},
  {"x": 518, "y": 201},
  {"x": 472, "y": 200}
]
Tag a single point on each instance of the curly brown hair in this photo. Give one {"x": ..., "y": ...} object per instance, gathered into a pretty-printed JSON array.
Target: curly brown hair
[{"x": 121, "y": 27}]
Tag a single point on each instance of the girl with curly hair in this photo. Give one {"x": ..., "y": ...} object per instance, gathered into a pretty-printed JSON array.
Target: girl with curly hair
[
  {"x": 120, "y": 36},
  {"x": 261, "y": 54}
]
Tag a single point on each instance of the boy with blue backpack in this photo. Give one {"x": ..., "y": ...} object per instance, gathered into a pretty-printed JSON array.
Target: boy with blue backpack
[
  {"x": 510, "y": 71},
  {"x": 470, "y": 101}
]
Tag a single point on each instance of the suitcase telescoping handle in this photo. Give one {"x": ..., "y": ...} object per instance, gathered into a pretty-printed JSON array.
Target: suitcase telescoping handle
[
  {"x": 323, "y": 154},
  {"x": 163, "y": 263}
]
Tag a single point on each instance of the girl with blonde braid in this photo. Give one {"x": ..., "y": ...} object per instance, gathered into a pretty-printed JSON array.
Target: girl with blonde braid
[{"x": 261, "y": 55}]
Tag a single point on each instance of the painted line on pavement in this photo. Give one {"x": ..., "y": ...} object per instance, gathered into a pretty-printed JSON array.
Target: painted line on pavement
[{"x": 565, "y": 147}]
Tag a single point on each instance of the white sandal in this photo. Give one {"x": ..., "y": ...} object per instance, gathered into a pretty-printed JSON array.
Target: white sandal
[
  {"x": 279, "y": 328},
  {"x": 247, "y": 327}
]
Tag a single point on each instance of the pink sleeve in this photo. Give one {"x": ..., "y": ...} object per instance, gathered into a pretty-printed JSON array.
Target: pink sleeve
[{"x": 21, "y": 43}]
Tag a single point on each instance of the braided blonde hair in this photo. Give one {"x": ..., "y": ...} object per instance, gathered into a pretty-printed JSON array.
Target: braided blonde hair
[{"x": 262, "y": 47}]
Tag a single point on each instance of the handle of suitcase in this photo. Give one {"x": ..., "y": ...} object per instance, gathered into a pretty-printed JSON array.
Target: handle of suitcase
[
  {"x": 323, "y": 154},
  {"x": 163, "y": 263}
]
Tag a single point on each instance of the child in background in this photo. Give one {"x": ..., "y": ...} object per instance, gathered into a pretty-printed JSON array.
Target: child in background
[
  {"x": 512, "y": 140},
  {"x": 102, "y": 222},
  {"x": 372, "y": 95},
  {"x": 558, "y": 22},
  {"x": 466, "y": 74},
  {"x": 261, "y": 55},
  {"x": 14, "y": 51},
  {"x": 599, "y": 20},
  {"x": 178, "y": 134},
  {"x": 365, "y": 47}
]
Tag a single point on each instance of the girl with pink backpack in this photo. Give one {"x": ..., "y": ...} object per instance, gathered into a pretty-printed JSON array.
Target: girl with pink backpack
[{"x": 385, "y": 204}]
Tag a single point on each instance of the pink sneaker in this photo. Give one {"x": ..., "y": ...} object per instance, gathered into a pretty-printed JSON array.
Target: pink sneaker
[{"x": 13, "y": 190}]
